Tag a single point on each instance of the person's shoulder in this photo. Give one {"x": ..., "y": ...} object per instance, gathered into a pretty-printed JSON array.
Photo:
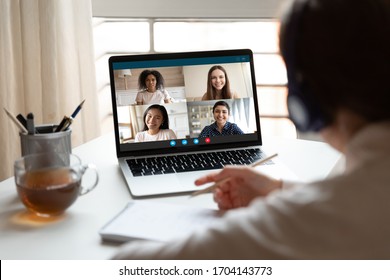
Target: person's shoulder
[
  {"x": 204, "y": 97},
  {"x": 165, "y": 93},
  {"x": 169, "y": 133},
  {"x": 139, "y": 137},
  {"x": 205, "y": 131},
  {"x": 172, "y": 133},
  {"x": 229, "y": 124},
  {"x": 235, "y": 127}
]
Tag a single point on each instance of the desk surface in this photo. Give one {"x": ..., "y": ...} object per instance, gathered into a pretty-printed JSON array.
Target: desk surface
[{"x": 75, "y": 234}]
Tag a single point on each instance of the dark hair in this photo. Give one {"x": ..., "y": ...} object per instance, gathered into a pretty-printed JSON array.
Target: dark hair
[
  {"x": 342, "y": 51},
  {"x": 211, "y": 92},
  {"x": 144, "y": 74},
  {"x": 165, "y": 123},
  {"x": 221, "y": 103}
]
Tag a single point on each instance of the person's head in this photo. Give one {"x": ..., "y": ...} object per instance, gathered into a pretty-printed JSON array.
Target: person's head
[
  {"x": 156, "y": 118},
  {"x": 218, "y": 82},
  {"x": 221, "y": 112},
  {"x": 337, "y": 54},
  {"x": 150, "y": 80}
]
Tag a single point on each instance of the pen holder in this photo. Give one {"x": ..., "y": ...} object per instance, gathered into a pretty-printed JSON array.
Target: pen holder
[{"x": 45, "y": 140}]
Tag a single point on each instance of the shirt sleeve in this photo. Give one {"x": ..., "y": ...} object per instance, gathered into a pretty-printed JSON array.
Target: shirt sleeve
[
  {"x": 279, "y": 226},
  {"x": 166, "y": 95},
  {"x": 204, "y": 132},
  {"x": 237, "y": 236},
  {"x": 138, "y": 137},
  {"x": 138, "y": 98},
  {"x": 237, "y": 130},
  {"x": 172, "y": 134}
]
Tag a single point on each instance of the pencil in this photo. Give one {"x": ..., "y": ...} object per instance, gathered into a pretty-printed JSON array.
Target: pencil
[
  {"x": 216, "y": 184},
  {"x": 15, "y": 120},
  {"x": 74, "y": 114},
  {"x": 67, "y": 121}
]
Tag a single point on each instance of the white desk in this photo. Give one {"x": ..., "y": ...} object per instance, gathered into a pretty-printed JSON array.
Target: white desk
[{"x": 75, "y": 235}]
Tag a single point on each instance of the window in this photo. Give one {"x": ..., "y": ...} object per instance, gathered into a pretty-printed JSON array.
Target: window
[{"x": 132, "y": 36}]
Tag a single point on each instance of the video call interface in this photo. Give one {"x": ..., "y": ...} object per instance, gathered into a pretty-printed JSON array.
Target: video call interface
[{"x": 182, "y": 105}]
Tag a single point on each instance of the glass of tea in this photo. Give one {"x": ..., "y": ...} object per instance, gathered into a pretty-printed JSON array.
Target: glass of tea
[{"x": 49, "y": 183}]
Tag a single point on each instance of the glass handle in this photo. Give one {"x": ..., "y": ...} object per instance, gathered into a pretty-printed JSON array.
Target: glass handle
[{"x": 92, "y": 167}]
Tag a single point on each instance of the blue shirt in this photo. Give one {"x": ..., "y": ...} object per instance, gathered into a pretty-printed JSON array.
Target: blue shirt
[{"x": 228, "y": 129}]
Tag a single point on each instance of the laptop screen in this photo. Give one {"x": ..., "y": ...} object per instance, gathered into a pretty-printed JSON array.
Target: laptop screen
[{"x": 176, "y": 102}]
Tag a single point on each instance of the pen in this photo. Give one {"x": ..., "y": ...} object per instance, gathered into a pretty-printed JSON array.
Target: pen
[
  {"x": 30, "y": 124},
  {"x": 77, "y": 110},
  {"x": 62, "y": 124},
  {"x": 22, "y": 120},
  {"x": 67, "y": 121},
  {"x": 15, "y": 120},
  {"x": 216, "y": 184}
]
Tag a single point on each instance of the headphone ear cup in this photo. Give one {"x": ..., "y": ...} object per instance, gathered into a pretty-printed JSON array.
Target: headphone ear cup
[
  {"x": 303, "y": 111},
  {"x": 297, "y": 111}
]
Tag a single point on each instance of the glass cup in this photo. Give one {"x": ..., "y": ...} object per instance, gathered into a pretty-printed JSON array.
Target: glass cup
[{"x": 49, "y": 183}]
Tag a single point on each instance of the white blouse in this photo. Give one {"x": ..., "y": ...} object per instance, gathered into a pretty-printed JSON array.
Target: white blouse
[
  {"x": 156, "y": 97},
  {"x": 163, "y": 134}
]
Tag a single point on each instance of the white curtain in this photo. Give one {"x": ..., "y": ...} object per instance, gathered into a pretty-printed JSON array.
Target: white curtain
[
  {"x": 47, "y": 68},
  {"x": 243, "y": 114}
]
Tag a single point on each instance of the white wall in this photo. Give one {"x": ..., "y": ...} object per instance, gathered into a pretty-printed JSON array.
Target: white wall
[{"x": 187, "y": 8}]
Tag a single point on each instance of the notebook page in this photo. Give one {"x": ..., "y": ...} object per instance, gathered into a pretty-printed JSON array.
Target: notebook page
[{"x": 157, "y": 221}]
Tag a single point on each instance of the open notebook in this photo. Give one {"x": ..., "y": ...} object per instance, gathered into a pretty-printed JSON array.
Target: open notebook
[
  {"x": 157, "y": 221},
  {"x": 187, "y": 145}
]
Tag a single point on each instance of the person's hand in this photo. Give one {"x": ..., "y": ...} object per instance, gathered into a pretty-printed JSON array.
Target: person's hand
[{"x": 242, "y": 186}]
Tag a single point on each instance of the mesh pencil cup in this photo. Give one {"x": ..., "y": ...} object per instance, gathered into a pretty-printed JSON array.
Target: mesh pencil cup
[{"x": 46, "y": 141}]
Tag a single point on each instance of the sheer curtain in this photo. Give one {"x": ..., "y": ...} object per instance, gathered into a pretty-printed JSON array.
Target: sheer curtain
[{"x": 47, "y": 68}]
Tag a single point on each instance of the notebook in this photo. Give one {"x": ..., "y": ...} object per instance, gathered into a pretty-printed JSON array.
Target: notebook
[
  {"x": 157, "y": 221},
  {"x": 167, "y": 133}
]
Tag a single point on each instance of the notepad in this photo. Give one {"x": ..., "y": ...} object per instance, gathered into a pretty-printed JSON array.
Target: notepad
[{"x": 157, "y": 221}]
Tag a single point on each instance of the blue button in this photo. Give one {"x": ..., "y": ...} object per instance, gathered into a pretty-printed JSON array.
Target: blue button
[
  {"x": 196, "y": 141},
  {"x": 172, "y": 143},
  {"x": 184, "y": 142}
]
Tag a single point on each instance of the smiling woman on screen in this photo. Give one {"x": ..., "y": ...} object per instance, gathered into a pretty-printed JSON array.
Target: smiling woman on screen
[
  {"x": 156, "y": 125},
  {"x": 221, "y": 126},
  {"x": 152, "y": 91},
  {"x": 218, "y": 84}
]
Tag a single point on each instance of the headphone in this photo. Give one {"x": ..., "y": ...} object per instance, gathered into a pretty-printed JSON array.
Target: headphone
[{"x": 304, "y": 110}]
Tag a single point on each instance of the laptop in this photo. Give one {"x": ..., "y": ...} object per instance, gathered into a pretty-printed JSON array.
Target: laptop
[{"x": 189, "y": 144}]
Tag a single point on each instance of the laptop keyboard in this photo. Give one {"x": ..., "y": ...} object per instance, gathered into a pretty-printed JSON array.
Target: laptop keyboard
[{"x": 192, "y": 162}]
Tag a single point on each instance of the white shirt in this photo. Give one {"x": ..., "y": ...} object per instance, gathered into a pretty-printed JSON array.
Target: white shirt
[
  {"x": 163, "y": 134},
  {"x": 156, "y": 97},
  {"x": 344, "y": 217}
]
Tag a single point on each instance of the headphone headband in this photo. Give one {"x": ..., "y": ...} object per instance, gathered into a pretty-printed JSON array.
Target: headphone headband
[{"x": 304, "y": 110}]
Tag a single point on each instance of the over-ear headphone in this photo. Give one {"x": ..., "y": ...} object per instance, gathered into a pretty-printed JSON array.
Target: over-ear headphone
[{"x": 304, "y": 110}]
